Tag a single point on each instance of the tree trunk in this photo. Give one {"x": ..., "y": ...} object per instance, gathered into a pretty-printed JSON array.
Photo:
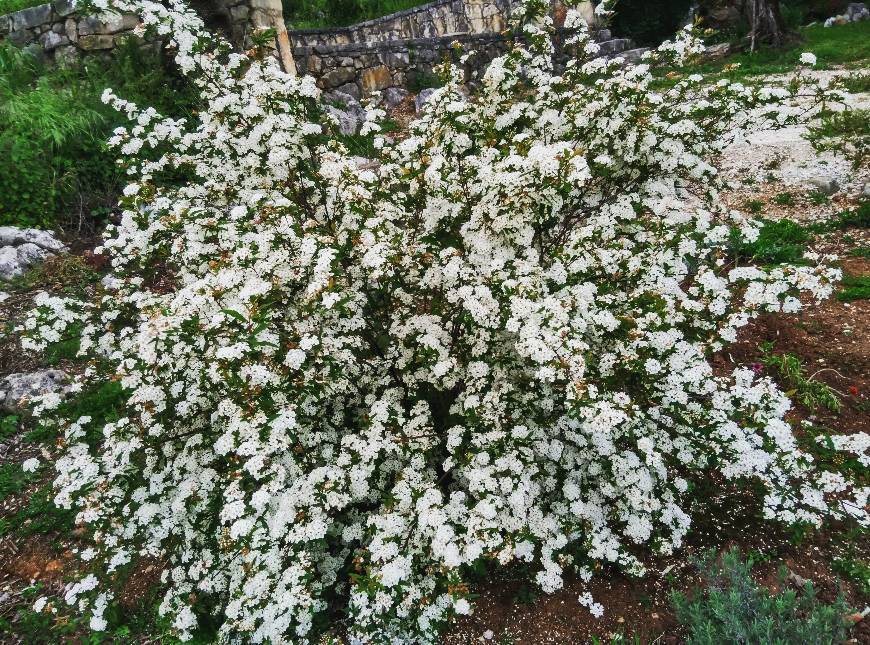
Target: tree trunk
[
  {"x": 765, "y": 23},
  {"x": 269, "y": 14}
]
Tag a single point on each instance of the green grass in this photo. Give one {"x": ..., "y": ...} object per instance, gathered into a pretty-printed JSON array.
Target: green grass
[
  {"x": 9, "y": 6},
  {"x": 847, "y": 132},
  {"x": 754, "y": 206},
  {"x": 854, "y": 288},
  {"x": 856, "y": 83},
  {"x": 832, "y": 46},
  {"x": 779, "y": 242},
  {"x": 13, "y": 480},
  {"x": 857, "y": 218},
  {"x": 784, "y": 199}
]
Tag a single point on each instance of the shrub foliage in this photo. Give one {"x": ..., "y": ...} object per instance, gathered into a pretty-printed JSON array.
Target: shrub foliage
[
  {"x": 732, "y": 608},
  {"x": 346, "y": 388},
  {"x": 54, "y": 167}
]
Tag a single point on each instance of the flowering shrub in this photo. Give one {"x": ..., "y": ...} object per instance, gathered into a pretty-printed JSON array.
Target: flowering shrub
[{"x": 344, "y": 386}]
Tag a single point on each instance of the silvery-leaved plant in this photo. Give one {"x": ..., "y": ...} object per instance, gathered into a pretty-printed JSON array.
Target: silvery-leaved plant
[{"x": 345, "y": 387}]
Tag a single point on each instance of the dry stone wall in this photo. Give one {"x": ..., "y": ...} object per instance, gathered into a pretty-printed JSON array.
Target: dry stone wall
[
  {"x": 359, "y": 69},
  {"x": 58, "y": 31},
  {"x": 402, "y": 49},
  {"x": 396, "y": 51},
  {"x": 440, "y": 18}
]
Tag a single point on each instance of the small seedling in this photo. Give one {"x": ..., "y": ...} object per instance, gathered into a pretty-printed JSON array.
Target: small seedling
[
  {"x": 754, "y": 206},
  {"x": 818, "y": 198},
  {"x": 784, "y": 199},
  {"x": 810, "y": 392}
]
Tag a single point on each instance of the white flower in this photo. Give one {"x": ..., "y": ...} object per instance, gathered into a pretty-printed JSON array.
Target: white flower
[
  {"x": 30, "y": 465},
  {"x": 808, "y": 59},
  {"x": 493, "y": 342}
]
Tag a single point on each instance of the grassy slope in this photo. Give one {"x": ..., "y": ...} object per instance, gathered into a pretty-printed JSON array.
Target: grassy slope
[{"x": 842, "y": 45}]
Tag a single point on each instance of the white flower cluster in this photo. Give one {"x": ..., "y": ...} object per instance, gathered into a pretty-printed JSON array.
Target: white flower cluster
[{"x": 343, "y": 388}]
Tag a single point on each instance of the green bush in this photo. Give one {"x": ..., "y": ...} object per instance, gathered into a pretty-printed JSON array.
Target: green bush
[
  {"x": 42, "y": 125},
  {"x": 732, "y": 608},
  {"x": 54, "y": 167}
]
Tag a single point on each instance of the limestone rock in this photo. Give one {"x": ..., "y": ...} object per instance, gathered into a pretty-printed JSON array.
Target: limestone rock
[
  {"x": 634, "y": 55},
  {"x": 376, "y": 79},
  {"x": 20, "y": 249},
  {"x": 347, "y": 110},
  {"x": 720, "y": 50},
  {"x": 96, "y": 41},
  {"x": 338, "y": 76},
  {"x": 64, "y": 8},
  {"x": 9, "y": 266},
  {"x": 826, "y": 185},
  {"x": 32, "y": 17},
  {"x": 30, "y": 254},
  {"x": 12, "y": 235},
  {"x": 422, "y": 97},
  {"x": 857, "y": 11},
  {"x": 348, "y": 123},
  {"x": 17, "y": 390},
  {"x": 393, "y": 96},
  {"x": 51, "y": 40}
]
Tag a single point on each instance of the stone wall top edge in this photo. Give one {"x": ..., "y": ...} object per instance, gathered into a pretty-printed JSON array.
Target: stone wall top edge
[
  {"x": 22, "y": 11},
  {"x": 374, "y": 22},
  {"x": 397, "y": 45}
]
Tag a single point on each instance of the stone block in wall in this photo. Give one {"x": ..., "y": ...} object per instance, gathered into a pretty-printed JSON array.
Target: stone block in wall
[
  {"x": 32, "y": 17},
  {"x": 397, "y": 59},
  {"x": 338, "y": 76},
  {"x": 57, "y": 28},
  {"x": 63, "y": 8},
  {"x": 67, "y": 56},
  {"x": 92, "y": 42},
  {"x": 5, "y": 25},
  {"x": 71, "y": 27},
  {"x": 51, "y": 40},
  {"x": 112, "y": 25},
  {"x": 365, "y": 60},
  {"x": 21, "y": 37},
  {"x": 351, "y": 89},
  {"x": 376, "y": 79}
]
